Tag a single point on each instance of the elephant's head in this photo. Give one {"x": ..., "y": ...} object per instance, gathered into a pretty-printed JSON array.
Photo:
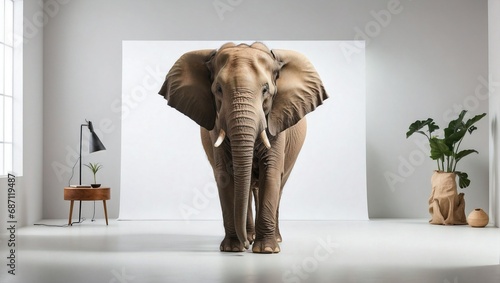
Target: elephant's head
[{"x": 244, "y": 92}]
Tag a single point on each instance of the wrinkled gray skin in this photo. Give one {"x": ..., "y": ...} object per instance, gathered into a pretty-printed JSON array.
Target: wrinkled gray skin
[{"x": 250, "y": 103}]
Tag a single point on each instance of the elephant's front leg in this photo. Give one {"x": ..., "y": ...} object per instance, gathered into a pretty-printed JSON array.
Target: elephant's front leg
[
  {"x": 230, "y": 243},
  {"x": 266, "y": 221},
  {"x": 269, "y": 197},
  {"x": 225, "y": 184}
]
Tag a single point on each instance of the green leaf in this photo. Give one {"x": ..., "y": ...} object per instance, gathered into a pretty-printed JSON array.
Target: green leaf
[
  {"x": 464, "y": 153},
  {"x": 471, "y": 129},
  {"x": 456, "y": 124},
  {"x": 416, "y": 127},
  {"x": 432, "y": 127},
  {"x": 463, "y": 179},
  {"x": 455, "y": 137},
  {"x": 473, "y": 120},
  {"x": 439, "y": 149},
  {"x": 94, "y": 167},
  {"x": 455, "y": 131},
  {"x": 461, "y": 116}
]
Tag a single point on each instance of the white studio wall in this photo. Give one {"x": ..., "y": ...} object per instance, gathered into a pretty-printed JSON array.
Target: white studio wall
[
  {"x": 423, "y": 59},
  {"x": 165, "y": 173}
]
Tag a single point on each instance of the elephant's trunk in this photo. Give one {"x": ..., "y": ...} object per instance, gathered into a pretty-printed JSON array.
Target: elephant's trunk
[
  {"x": 242, "y": 166},
  {"x": 244, "y": 130}
]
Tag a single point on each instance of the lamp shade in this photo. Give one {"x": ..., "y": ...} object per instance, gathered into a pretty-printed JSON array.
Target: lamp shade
[{"x": 95, "y": 143}]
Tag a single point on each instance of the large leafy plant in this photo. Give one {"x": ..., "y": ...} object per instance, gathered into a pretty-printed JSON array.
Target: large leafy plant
[{"x": 446, "y": 151}]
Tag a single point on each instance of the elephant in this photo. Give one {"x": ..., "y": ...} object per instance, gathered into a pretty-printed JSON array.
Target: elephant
[{"x": 250, "y": 103}]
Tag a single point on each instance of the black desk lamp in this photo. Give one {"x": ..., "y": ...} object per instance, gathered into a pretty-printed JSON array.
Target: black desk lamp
[{"x": 95, "y": 144}]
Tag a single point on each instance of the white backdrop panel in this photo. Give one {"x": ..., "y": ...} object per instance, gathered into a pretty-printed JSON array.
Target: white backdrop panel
[{"x": 164, "y": 170}]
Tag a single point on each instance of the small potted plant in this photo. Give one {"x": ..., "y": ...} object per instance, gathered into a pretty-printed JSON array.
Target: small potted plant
[
  {"x": 94, "y": 167},
  {"x": 445, "y": 204}
]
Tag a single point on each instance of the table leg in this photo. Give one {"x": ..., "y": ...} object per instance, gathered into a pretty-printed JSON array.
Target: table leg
[
  {"x": 105, "y": 211},
  {"x": 71, "y": 212}
]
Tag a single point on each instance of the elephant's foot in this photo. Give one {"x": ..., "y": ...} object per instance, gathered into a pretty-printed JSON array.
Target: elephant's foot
[
  {"x": 266, "y": 246},
  {"x": 250, "y": 236},
  {"x": 279, "y": 239},
  {"x": 230, "y": 244}
]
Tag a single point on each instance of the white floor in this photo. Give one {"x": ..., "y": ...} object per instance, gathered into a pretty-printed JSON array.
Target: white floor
[{"x": 170, "y": 251}]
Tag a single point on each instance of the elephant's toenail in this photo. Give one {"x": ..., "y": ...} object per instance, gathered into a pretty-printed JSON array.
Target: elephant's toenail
[{"x": 268, "y": 249}]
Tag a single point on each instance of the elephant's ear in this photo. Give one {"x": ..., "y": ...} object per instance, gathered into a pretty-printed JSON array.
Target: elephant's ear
[
  {"x": 299, "y": 91},
  {"x": 187, "y": 88}
]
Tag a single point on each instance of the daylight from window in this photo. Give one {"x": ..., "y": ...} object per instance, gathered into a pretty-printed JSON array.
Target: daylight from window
[{"x": 6, "y": 85}]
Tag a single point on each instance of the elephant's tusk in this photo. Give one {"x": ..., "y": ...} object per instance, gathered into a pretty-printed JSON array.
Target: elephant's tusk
[
  {"x": 220, "y": 139},
  {"x": 265, "y": 140}
]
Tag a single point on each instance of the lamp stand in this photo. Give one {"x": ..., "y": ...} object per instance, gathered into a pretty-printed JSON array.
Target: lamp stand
[
  {"x": 80, "y": 174},
  {"x": 95, "y": 144}
]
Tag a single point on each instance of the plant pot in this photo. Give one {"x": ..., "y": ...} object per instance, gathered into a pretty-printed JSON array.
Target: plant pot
[
  {"x": 478, "y": 218},
  {"x": 446, "y": 206},
  {"x": 95, "y": 185}
]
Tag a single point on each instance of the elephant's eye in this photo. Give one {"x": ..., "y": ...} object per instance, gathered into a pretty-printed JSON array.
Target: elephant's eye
[
  {"x": 218, "y": 89},
  {"x": 265, "y": 89}
]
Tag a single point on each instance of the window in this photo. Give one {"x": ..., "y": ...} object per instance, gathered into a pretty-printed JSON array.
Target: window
[{"x": 6, "y": 86}]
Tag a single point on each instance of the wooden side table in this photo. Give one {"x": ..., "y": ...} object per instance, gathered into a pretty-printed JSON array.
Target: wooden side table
[{"x": 82, "y": 194}]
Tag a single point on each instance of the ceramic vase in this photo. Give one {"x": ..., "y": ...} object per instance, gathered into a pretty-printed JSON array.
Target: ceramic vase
[{"x": 478, "y": 218}]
